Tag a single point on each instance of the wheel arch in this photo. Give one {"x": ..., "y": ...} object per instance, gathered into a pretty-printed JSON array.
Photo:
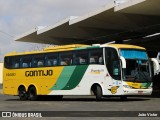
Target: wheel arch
[
  {"x": 33, "y": 85},
  {"x": 93, "y": 87},
  {"x": 22, "y": 85}
]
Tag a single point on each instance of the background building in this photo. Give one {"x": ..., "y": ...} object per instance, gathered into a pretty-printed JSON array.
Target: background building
[{"x": 134, "y": 22}]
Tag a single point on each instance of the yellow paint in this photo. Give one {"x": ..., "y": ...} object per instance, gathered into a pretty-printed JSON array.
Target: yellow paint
[
  {"x": 63, "y": 47},
  {"x": 42, "y": 83},
  {"x": 72, "y": 47},
  {"x": 135, "y": 85},
  {"x": 50, "y": 49},
  {"x": 95, "y": 72},
  {"x": 114, "y": 89},
  {"x": 119, "y": 46}
]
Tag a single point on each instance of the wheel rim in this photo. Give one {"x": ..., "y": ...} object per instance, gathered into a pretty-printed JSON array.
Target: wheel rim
[
  {"x": 22, "y": 93},
  {"x": 32, "y": 93}
]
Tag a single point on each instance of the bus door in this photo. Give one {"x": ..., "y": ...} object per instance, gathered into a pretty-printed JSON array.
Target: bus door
[{"x": 113, "y": 76}]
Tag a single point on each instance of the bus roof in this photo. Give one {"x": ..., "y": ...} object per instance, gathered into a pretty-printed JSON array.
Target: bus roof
[
  {"x": 63, "y": 47},
  {"x": 74, "y": 47},
  {"x": 120, "y": 46},
  {"x": 52, "y": 49}
]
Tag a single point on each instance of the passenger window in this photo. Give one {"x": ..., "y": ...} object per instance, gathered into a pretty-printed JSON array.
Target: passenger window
[
  {"x": 16, "y": 62},
  {"x": 16, "y": 65},
  {"x": 96, "y": 56},
  {"x": 39, "y": 61},
  {"x": 81, "y": 57},
  {"x": 8, "y": 62},
  {"x": 27, "y": 62},
  {"x": 66, "y": 58},
  {"x": 52, "y": 59}
]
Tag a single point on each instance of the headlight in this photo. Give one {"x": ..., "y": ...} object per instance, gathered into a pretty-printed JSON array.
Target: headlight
[
  {"x": 126, "y": 86},
  {"x": 150, "y": 87}
]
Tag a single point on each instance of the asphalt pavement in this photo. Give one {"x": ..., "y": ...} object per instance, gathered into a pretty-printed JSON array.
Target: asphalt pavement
[{"x": 84, "y": 103}]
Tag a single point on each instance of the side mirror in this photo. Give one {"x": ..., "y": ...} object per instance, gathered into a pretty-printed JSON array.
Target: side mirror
[
  {"x": 155, "y": 65},
  {"x": 123, "y": 62}
]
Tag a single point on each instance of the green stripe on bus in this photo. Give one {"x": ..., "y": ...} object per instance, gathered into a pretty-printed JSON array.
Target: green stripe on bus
[
  {"x": 146, "y": 84},
  {"x": 86, "y": 47},
  {"x": 64, "y": 78},
  {"x": 76, "y": 77}
]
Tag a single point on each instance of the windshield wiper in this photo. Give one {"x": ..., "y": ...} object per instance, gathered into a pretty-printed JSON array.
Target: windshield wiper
[
  {"x": 144, "y": 74},
  {"x": 145, "y": 77},
  {"x": 135, "y": 74}
]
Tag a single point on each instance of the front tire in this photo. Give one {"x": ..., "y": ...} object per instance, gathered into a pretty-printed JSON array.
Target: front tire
[
  {"x": 32, "y": 94},
  {"x": 22, "y": 93},
  {"x": 98, "y": 93}
]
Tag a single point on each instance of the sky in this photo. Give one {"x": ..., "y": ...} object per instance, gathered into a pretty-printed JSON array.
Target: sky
[{"x": 19, "y": 16}]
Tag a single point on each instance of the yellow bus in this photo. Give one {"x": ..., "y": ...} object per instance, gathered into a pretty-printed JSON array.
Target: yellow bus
[{"x": 100, "y": 70}]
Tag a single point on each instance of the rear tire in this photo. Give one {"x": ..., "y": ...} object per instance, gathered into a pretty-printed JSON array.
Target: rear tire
[
  {"x": 98, "y": 93},
  {"x": 22, "y": 93},
  {"x": 32, "y": 94}
]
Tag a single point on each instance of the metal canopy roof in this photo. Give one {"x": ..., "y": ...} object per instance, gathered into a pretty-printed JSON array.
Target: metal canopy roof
[{"x": 131, "y": 20}]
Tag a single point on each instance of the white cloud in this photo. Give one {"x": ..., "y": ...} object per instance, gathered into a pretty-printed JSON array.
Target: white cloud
[{"x": 18, "y": 16}]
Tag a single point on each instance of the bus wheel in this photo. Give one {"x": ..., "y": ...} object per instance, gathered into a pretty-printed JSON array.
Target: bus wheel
[
  {"x": 98, "y": 93},
  {"x": 123, "y": 98},
  {"x": 32, "y": 94},
  {"x": 22, "y": 93}
]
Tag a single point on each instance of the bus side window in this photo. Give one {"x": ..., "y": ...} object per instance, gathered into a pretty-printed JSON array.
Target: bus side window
[
  {"x": 55, "y": 62},
  {"x": 24, "y": 65},
  {"x": 96, "y": 56},
  {"x": 39, "y": 60},
  {"x": 66, "y": 58},
  {"x": 40, "y": 63},
  {"x": 35, "y": 63},
  {"x": 63, "y": 62},
  {"x": 26, "y": 62},
  {"x": 100, "y": 60},
  {"x": 92, "y": 60},
  {"x": 16, "y": 65},
  {"x": 16, "y": 62},
  {"x": 81, "y": 57},
  {"x": 49, "y": 63},
  {"x": 52, "y": 59},
  {"x": 82, "y": 61},
  {"x": 8, "y": 62}
]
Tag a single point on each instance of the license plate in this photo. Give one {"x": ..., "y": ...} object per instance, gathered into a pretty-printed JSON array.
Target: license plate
[{"x": 140, "y": 92}]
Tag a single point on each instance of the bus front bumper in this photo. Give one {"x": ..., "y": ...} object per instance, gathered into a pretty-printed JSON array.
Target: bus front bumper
[{"x": 128, "y": 91}]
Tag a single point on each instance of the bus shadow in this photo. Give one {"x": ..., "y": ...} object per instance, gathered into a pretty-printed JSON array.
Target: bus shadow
[
  {"x": 88, "y": 99},
  {"x": 104, "y": 99},
  {"x": 155, "y": 96}
]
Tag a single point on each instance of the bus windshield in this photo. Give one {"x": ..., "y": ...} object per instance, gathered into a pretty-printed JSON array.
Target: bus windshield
[{"x": 137, "y": 66}]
